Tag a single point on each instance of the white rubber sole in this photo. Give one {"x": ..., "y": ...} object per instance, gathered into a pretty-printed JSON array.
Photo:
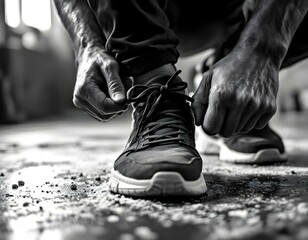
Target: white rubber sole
[
  {"x": 270, "y": 155},
  {"x": 210, "y": 145},
  {"x": 161, "y": 184}
]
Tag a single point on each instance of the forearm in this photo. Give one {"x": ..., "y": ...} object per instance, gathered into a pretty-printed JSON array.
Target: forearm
[
  {"x": 272, "y": 26},
  {"x": 80, "y": 23}
]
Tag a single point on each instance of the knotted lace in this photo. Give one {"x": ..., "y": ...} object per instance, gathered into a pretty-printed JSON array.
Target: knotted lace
[{"x": 147, "y": 99}]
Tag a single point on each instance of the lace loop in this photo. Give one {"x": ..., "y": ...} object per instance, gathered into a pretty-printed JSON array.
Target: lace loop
[{"x": 152, "y": 96}]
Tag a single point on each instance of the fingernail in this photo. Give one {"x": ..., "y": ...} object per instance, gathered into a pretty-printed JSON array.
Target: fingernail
[{"x": 118, "y": 97}]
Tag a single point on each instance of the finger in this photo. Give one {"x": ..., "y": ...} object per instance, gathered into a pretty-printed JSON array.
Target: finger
[
  {"x": 91, "y": 111},
  {"x": 102, "y": 103},
  {"x": 252, "y": 122},
  {"x": 201, "y": 96},
  {"x": 250, "y": 110},
  {"x": 263, "y": 121},
  {"x": 199, "y": 110},
  {"x": 231, "y": 122},
  {"x": 116, "y": 89},
  {"x": 213, "y": 118}
]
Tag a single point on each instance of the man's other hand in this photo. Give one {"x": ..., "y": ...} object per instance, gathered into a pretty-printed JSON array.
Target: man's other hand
[{"x": 237, "y": 94}]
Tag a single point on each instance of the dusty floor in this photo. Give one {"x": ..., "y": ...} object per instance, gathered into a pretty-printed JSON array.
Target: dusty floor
[{"x": 53, "y": 186}]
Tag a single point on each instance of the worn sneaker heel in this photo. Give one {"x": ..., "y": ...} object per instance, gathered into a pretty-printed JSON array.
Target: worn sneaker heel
[{"x": 263, "y": 146}]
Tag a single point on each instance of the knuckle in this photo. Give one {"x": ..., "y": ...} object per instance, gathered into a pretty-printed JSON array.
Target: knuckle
[
  {"x": 264, "y": 105},
  {"x": 273, "y": 108},
  {"x": 110, "y": 65},
  {"x": 215, "y": 102},
  {"x": 254, "y": 104},
  {"x": 77, "y": 92},
  {"x": 76, "y": 101},
  {"x": 226, "y": 97},
  {"x": 219, "y": 95},
  {"x": 268, "y": 106},
  {"x": 218, "y": 92},
  {"x": 84, "y": 91},
  {"x": 242, "y": 100}
]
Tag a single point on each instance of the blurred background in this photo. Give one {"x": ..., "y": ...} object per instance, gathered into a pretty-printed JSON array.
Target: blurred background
[
  {"x": 36, "y": 62},
  {"x": 37, "y": 70},
  {"x": 55, "y": 160}
]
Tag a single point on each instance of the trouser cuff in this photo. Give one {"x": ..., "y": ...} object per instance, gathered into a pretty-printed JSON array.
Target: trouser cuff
[{"x": 147, "y": 63}]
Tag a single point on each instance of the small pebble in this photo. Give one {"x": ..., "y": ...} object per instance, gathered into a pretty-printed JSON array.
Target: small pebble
[
  {"x": 126, "y": 236},
  {"x": 41, "y": 209},
  {"x": 131, "y": 218},
  {"x": 81, "y": 175},
  {"x": 1, "y": 174},
  {"x": 73, "y": 177},
  {"x": 74, "y": 187},
  {"x": 113, "y": 219},
  {"x": 167, "y": 224},
  {"x": 26, "y": 204},
  {"x": 21, "y": 183},
  {"x": 293, "y": 172},
  {"x": 145, "y": 233},
  {"x": 14, "y": 186},
  {"x": 238, "y": 213},
  {"x": 98, "y": 179}
]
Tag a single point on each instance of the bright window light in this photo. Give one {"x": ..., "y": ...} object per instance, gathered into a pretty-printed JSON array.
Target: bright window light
[
  {"x": 12, "y": 13},
  {"x": 36, "y": 13}
]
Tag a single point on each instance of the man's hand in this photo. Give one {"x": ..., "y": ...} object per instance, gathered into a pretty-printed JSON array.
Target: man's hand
[
  {"x": 99, "y": 90},
  {"x": 237, "y": 94}
]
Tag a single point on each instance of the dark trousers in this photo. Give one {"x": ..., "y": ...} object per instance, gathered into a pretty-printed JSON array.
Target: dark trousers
[{"x": 145, "y": 34}]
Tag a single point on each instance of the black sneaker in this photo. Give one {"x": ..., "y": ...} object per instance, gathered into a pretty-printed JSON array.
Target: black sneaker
[
  {"x": 255, "y": 147},
  {"x": 160, "y": 158}
]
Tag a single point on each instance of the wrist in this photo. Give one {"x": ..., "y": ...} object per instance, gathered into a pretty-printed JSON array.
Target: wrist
[
  {"x": 269, "y": 49},
  {"x": 270, "y": 29},
  {"x": 87, "y": 49}
]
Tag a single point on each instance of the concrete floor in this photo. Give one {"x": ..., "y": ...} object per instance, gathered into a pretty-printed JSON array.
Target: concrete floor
[{"x": 60, "y": 167}]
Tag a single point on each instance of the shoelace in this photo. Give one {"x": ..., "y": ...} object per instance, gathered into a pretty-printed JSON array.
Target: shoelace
[{"x": 149, "y": 97}]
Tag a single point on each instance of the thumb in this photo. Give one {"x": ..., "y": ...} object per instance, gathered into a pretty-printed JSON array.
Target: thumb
[
  {"x": 201, "y": 96},
  {"x": 115, "y": 86}
]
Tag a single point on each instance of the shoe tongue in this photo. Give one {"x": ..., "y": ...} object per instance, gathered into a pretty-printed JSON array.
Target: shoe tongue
[
  {"x": 163, "y": 106},
  {"x": 168, "y": 102}
]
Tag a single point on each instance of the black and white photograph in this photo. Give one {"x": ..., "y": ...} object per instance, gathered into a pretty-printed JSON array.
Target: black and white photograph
[{"x": 153, "y": 120}]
